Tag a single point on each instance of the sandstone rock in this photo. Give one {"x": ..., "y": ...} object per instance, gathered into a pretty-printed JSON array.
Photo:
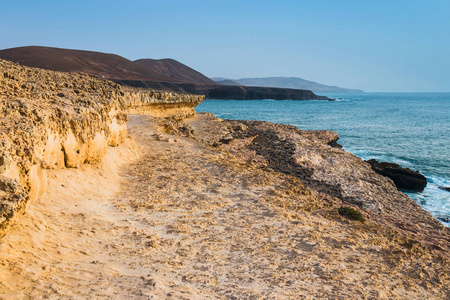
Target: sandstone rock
[
  {"x": 161, "y": 103},
  {"x": 53, "y": 120},
  {"x": 13, "y": 198},
  {"x": 403, "y": 178}
]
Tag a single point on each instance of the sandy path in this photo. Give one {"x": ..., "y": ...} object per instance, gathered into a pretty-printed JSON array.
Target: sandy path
[{"x": 183, "y": 221}]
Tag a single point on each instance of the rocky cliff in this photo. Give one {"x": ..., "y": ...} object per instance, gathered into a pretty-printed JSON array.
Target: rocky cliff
[
  {"x": 160, "y": 103},
  {"x": 227, "y": 91},
  {"x": 53, "y": 120}
]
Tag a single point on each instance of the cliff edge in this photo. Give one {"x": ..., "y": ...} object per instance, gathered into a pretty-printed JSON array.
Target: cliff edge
[{"x": 54, "y": 120}]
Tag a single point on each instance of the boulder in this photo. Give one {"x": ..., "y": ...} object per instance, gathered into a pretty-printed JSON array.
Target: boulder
[{"x": 404, "y": 178}]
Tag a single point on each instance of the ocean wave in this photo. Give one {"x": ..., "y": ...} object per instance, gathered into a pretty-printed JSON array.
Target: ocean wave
[{"x": 434, "y": 199}]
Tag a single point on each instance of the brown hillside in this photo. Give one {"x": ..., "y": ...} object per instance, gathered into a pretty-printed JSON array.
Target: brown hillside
[
  {"x": 175, "y": 70},
  {"x": 166, "y": 74},
  {"x": 103, "y": 64}
]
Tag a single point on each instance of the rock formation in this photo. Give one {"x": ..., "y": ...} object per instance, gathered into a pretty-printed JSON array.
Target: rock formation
[
  {"x": 404, "y": 178},
  {"x": 53, "y": 120},
  {"x": 445, "y": 188},
  {"x": 160, "y": 103},
  {"x": 331, "y": 172}
]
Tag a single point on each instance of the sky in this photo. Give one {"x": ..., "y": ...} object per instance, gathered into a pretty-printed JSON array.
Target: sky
[{"x": 376, "y": 46}]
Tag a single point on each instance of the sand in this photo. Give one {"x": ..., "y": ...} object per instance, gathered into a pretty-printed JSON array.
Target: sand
[{"x": 167, "y": 217}]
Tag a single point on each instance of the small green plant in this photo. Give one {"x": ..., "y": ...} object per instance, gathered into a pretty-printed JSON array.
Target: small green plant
[{"x": 351, "y": 213}]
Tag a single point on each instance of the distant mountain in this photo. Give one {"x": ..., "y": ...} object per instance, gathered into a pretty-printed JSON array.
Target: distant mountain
[
  {"x": 216, "y": 79},
  {"x": 227, "y": 82},
  {"x": 291, "y": 83},
  {"x": 174, "y": 69},
  {"x": 110, "y": 66}
]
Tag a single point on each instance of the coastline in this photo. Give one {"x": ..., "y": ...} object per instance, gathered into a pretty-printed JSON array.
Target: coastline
[
  {"x": 190, "y": 212},
  {"x": 407, "y": 129},
  {"x": 312, "y": 157},
  {"x": 131, "y": 194}
]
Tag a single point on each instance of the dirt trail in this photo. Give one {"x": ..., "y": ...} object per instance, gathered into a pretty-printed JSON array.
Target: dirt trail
[{"x": 172, "y": 218}]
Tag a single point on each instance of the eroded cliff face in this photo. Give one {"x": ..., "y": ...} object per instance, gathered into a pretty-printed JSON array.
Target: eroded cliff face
[
  {"x": 53, "y": 120},
  {"x": 160, "y": 103}
]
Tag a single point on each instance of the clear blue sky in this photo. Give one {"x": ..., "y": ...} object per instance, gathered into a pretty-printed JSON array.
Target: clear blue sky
[{"x": 381, "y": 45}]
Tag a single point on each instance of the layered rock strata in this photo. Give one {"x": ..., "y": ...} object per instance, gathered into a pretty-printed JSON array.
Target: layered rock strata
[
  {"x": 161, "y": 103},
  {"x": 53, "y": 120}
]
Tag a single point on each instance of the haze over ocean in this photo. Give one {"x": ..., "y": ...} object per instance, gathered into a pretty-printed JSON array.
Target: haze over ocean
[{"x": 410, "y": 129}]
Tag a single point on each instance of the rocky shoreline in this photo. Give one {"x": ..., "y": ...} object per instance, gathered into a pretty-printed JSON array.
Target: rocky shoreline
[
  {"x": 200, "y": 207},
  {"x": 335, "y": 174}
]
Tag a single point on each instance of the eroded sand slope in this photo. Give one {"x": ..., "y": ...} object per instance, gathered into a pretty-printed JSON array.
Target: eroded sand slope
[{"x": 171, "y": 217}]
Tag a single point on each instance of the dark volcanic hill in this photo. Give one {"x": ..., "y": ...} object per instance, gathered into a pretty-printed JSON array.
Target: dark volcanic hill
[
  {"x": 110, "y": 66},
  {"x": 174, "y": 69},
  {"x": 166, "y": 74}
]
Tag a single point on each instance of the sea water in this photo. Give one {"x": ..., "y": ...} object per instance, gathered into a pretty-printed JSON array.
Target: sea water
[{"x": 410, "y": 129}]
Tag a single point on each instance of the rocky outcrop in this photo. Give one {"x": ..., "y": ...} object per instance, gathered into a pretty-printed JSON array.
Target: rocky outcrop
[
  {"x": 445, "y": 188},
  {"x": 53, "y": 120},
  {"x": 161, "y": 103},
  {"x": 404, "y": 178},
  {"x": 332, "y": 173}
]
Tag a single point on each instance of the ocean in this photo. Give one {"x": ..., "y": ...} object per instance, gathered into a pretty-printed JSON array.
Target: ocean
[{"x": 410, "y": 129}]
